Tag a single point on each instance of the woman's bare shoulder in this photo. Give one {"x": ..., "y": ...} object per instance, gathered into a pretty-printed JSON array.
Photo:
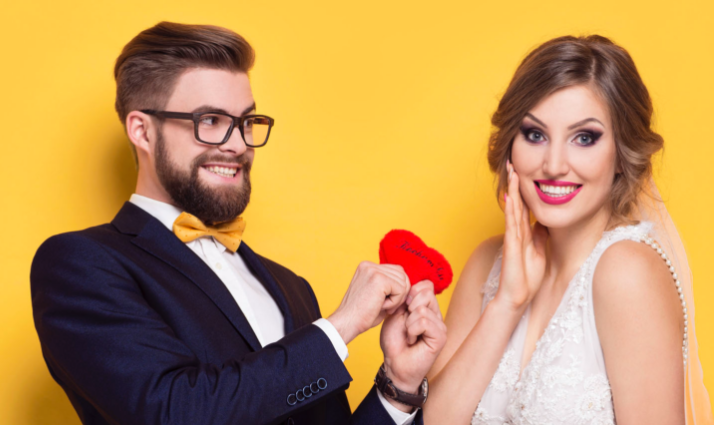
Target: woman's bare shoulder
[
  {"x": 475, "y": 273},
  {"x": 640, "y": 326},
  {"x": 481, "y": 261},
  {"x": 634, "y": 292},
  {"x": 628, "y": 267}
]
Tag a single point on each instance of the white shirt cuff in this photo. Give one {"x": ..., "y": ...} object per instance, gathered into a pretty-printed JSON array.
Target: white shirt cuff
[
  {"x": 399, "y": 417},
  {"x": 334, "y": 336}
]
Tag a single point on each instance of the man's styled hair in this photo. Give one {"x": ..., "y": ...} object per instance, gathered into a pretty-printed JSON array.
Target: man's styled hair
[{"x": 148, "y": 67}]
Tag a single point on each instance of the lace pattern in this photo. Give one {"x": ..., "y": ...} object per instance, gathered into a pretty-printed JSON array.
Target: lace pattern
[
  {"x": 507, "y": 373},
  {"x": 491, "y": 285},
  {"x": 565, "y": 381}
]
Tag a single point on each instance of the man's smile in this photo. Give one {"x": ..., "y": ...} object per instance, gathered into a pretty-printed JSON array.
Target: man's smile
[{"x": 226, "y": 170}]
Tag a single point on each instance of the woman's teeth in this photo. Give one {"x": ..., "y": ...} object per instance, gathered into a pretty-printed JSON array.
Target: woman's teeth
[
  {"x": 557, "y": 191},
  {"x": 223, "y": 171}
]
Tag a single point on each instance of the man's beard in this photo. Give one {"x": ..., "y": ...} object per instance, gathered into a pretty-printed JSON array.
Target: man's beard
[{"x": 210, "y": 205}]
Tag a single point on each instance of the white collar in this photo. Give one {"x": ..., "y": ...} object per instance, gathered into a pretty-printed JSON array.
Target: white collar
[{"x": 165, "y": 213}]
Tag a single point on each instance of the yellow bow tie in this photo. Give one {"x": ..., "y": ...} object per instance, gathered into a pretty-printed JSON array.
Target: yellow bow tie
[{"x": 188, "y": 227}]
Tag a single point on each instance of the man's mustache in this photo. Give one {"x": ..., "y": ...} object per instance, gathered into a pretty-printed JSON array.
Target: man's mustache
[{"x": 242, "y": 160}]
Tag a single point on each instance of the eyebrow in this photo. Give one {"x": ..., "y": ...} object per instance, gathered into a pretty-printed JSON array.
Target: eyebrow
[
  {"x": 577, "y": 124},
  {"x": 209, "y": 108},
  {"x": 248, "y": 109},
  {"x": 585, "y": 121},
  {"x": 529, "y": 115}
]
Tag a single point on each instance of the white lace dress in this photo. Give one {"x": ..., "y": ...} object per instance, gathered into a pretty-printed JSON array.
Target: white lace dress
[{"x": 565, "y": 381}]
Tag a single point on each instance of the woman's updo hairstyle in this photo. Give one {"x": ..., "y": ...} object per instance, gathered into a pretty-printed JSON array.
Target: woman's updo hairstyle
[{"x": 606, "y": 68}]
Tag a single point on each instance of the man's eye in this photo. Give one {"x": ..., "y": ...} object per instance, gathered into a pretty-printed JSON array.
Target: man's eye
[{"x": 208, "y": 119}]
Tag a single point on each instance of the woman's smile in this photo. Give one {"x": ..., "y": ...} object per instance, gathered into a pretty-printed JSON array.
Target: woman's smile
[{"x": 556, "y": 192}]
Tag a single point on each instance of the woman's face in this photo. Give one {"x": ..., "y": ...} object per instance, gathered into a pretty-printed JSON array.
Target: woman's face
[{"x": 565, "y": 157}]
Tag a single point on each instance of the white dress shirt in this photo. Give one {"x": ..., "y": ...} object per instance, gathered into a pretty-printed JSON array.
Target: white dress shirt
[{"x": 257, "y": 305}]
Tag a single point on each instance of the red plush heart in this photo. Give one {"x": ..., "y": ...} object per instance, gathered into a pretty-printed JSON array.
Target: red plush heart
[{"x": 420, "y": 262}]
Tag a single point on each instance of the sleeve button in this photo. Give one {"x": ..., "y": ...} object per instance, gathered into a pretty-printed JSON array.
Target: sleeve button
[
  {"x": 292, "y": 400},
  {"x": 322, "y": 383}
]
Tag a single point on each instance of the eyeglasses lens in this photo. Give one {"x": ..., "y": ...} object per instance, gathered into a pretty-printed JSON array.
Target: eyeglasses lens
[
  {"x": 212, "y": 128},
  {"x": 255, "y": 130}
]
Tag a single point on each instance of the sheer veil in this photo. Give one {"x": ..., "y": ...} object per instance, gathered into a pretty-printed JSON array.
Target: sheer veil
[{"x": 651, "y": 208}]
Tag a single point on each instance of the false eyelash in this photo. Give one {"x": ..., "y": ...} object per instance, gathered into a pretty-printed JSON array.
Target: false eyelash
[
  {"x": 594, "y": 135},
  {"x": 525, "y": 130}
]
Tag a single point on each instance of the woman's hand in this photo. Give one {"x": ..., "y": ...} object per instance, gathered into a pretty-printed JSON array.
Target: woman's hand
[{"x": 523, "y": 265}]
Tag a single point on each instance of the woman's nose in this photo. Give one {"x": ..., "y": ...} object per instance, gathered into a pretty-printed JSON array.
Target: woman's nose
[{"x": 555, "y": 162}]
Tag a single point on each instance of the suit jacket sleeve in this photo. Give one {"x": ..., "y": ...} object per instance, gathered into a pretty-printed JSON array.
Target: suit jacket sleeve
[
  {"x": 371, "y": 411},
  {"x": 102, "y": 341}
]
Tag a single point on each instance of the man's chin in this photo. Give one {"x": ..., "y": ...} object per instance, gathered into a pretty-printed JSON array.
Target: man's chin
[{"x": 224, "y": 194}]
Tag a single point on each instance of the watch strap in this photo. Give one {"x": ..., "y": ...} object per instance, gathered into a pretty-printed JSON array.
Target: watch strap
[{"x": 386, "y": 386}]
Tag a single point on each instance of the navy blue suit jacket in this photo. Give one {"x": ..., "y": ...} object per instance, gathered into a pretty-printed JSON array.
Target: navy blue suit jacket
[{"x": 137, "y": 329}]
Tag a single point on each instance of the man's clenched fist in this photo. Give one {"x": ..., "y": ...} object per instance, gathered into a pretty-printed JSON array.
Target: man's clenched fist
[{"x": 375, "y": 291}]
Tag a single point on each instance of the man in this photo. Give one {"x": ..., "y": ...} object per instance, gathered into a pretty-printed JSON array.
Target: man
[{"x": 165, "y": 316}]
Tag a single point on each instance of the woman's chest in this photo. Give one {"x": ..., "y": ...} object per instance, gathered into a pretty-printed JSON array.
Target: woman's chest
[{"x": 563, "y": 382}]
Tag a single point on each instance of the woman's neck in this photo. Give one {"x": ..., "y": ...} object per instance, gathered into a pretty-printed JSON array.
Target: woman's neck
[{"x": 569, "y": 247}]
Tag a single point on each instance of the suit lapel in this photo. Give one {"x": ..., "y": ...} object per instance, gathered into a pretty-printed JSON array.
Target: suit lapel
[
  {"x": 154, "y": 238},
  {"x": 269, "y": 282}
]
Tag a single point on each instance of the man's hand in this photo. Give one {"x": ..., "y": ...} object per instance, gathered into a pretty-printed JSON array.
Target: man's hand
[
  {"x": 376, "y": 290},
  {"x": 412, "y": 338}
]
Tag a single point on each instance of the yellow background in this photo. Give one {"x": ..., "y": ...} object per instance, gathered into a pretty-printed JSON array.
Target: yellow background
[{"x": 382, "y": 113}]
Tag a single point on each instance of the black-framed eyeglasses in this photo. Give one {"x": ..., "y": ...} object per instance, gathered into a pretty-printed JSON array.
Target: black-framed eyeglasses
[{"x": 215, "y": 128}]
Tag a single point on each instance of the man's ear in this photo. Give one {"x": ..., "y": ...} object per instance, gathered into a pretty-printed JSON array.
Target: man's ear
[{"x": 138, "y": 127}]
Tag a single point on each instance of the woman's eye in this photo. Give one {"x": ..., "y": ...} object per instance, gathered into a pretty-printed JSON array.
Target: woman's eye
[
  {"x": 583, "y": 139},
  {"x": 586, "y": 139},
  {"x": 535, "y": 136}
]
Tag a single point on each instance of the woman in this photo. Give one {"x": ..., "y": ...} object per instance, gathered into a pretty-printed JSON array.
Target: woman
[{"x": 586, "y": 316}]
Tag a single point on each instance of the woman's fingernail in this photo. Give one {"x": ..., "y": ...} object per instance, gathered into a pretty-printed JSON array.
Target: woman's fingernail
[
  {"x": 409, "y": 299},
  {"x": 505, "y": 197}
]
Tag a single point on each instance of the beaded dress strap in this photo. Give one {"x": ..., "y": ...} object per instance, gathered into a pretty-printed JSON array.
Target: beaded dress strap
[{"x": 651, "y": 242}]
